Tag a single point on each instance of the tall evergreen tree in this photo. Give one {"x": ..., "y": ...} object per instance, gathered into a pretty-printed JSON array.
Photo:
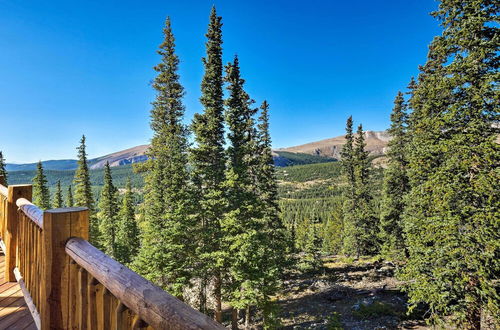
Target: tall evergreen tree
[
  {"x": 367, "y": 221},
  {"x": 395, "y": 185},
  {"x": 349, "y": 242},
  {"x": 239, "y": 230},
  {"x": 108, "y": 214},
  {"x": 3, "y": 171},
  {"x": 41, "y": 194},
  {"x": 453, "y": 208},
  {"x": 208, "y": 161},
  {"x": 275, "y": 245},
  {"x": 127, "y": 235},
  {"x": 347, "y": 156},
  {"x": 83, "y": 190},
  {"x": 69, "y": 197},
  {"x": 266, "y": 176},
  {"x": 166, "y": 254},
  {"x": 360, "y": 224},
  {"x": 58, "y": 199}
]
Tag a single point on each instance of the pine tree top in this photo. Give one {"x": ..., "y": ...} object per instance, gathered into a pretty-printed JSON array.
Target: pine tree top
[
  {"x": 41, "y": 194},
  {"x": 83, "y": 189},
  {"x": 58, "y": 199},
  {"x": 167, "y": 109},
  {"x": 3, "y": 171},
  {"x": 208, "y": 127},
  {"x": 239, "y": 118}
]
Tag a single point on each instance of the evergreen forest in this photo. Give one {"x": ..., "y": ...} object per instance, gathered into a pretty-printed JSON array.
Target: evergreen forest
[{"x": 210, "y": 219}]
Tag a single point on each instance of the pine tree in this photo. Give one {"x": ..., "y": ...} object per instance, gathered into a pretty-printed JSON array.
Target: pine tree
[
  {"x": 367, "y": 221},
  {"x": 308, "y": 243},
  {"x": 58, "y": 199},
  {"x": 83, "y": 191},
  {"x": 360, "y": 224},
  {"x": 41, "y": 194},
  {"x": 266, "y": 176},
  {"x": 274, "y": 240},
  {"x": 395, "y": 185},
  {"x": 166, "y": 254},
  {"x": 108, "y": 214},
  {"x": 239, "y": 230},
  {"x": 451, "y": 220},
  {"x": 3, "y": 171},
  {"x": 69, "y": 197},
  {"x": 208, "y": 161},
  {"x": 127, "y": 235},
  {"x": 349, "y": 242},
  {"x": 347, "y": 156}
]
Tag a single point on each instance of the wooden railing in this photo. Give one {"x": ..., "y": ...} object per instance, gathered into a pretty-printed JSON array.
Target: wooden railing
[{"x": 69, "y": 284}]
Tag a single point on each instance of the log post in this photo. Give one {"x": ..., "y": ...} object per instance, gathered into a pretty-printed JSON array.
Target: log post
[
  {"x": 57, "y": 282},
  {"x": 11, "y": 222}
]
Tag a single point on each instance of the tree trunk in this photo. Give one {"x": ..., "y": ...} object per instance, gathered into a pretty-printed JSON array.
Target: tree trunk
[
  {"x": 247, "y": 318},
  {"x": 474, "y": 318},
  {"x": 234, "y": 319},
  {"x": 203, "y": 296},
  {"x": 218, "y": 299}
]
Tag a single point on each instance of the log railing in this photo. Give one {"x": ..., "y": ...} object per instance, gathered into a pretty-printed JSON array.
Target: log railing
[{"x": 69, "y": 284}]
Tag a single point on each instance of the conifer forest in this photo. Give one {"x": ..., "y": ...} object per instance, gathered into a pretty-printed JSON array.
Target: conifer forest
[{"x": 405, "y": 239}]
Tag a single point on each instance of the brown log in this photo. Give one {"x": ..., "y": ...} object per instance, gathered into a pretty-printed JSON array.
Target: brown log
[
  {"x": 58, "y": 226},
  {"x": 92, "y": 306},
  {"x": 106, "y": 309},
  {"x": 73, "y": 295},
  {"x": 153, "y": 305},
  {"x": 11, "y": 224},
  {"x": 82, "y": 296},
  {"x": 120, "y": 317},
  {"x": 32, "y": 211},
  {"x": 27, "y": 298}
]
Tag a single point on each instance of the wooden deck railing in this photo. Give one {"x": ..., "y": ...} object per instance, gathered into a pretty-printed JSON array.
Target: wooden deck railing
[{"x": 69, "y": 284}]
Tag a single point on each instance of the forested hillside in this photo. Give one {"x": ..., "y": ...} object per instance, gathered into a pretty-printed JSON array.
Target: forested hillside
[{"x": 211, "y": 219}]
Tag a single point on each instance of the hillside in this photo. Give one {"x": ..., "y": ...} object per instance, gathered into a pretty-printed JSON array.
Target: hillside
[
  {"x": 120, "y": 175},
  {"x": 138, "y": 154},
  {"x": 123, "y": 157},
  {"x": 376, "y": 144},
  {"x": 311, "y": 153}
]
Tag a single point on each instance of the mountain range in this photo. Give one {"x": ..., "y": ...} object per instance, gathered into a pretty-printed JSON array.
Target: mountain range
[{"x": 313, "y": 152}]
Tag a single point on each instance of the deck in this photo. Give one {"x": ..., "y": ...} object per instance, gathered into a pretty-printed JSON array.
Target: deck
[{"x": 14, "y": 314}]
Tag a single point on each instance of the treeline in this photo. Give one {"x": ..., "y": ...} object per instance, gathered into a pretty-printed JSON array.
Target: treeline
[
  {"x": 210, "y": 227},
  {"x": 208, "y": 230},
  {"x": 440, "y": 207},
  {"x": 121, "y": 174},
  {"x": 437, "y": 214}
]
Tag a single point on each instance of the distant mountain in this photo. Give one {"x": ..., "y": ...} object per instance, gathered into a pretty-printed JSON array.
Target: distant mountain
[
  {"x": 124, "y": 157},
  {"x": 376, "y": 144},
  {"x": 63, "y": 164},
  {"x": 314, "y": 152}
]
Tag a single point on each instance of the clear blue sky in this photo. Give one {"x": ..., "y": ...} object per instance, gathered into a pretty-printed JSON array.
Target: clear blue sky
[{"x": 74, "y": 67}]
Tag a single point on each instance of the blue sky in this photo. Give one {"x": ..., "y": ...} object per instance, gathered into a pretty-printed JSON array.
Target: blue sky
[{"x": 74, "y": 67}]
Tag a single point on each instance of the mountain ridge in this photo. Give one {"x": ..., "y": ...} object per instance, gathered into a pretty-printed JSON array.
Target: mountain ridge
[{"x": 318, "y": 151}]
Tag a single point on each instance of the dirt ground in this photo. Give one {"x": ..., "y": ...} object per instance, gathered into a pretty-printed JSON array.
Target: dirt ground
[{"x": 347, "y": 294}]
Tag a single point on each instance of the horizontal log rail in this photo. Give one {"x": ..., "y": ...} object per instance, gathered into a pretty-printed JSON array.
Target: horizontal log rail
[
  {"x": 69, "y": 284},
  {"x": 31, "y": 211},
  {"x": 150, "y": 303}
]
